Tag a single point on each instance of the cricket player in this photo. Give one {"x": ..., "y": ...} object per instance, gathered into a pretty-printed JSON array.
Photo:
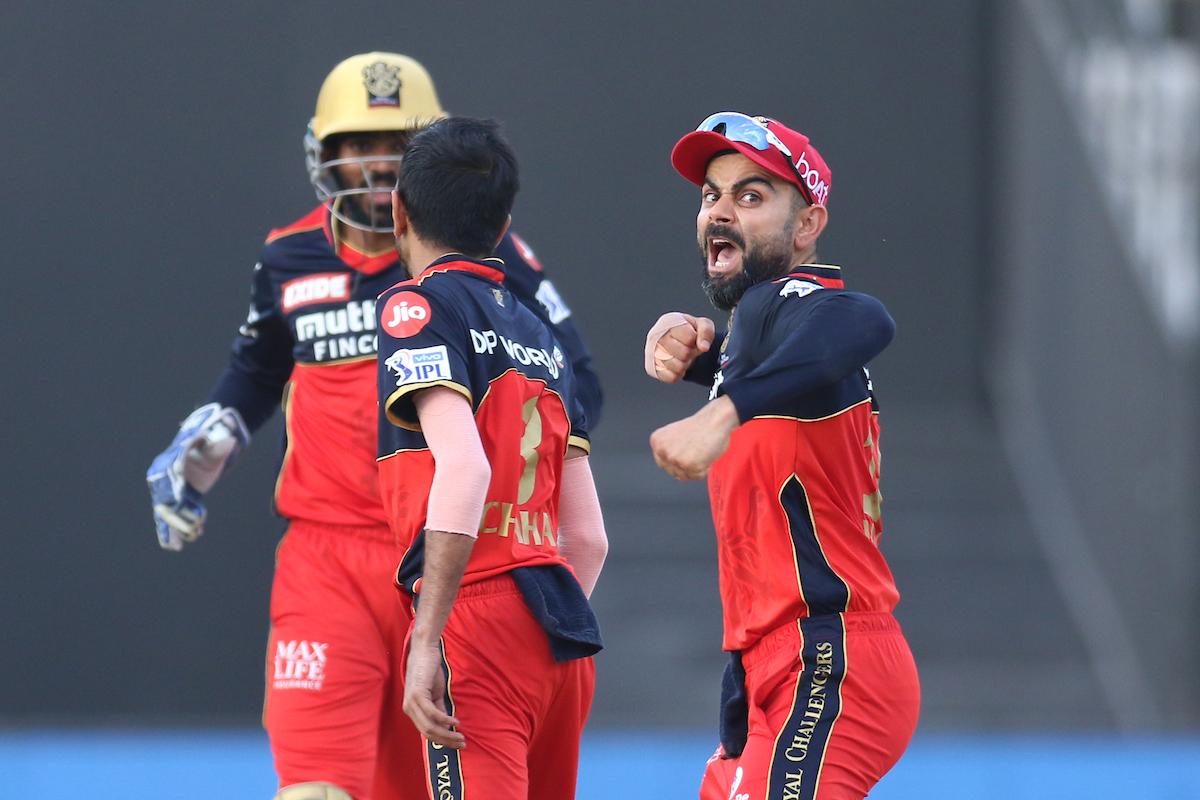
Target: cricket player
[
  {"x": 485, "y": 479},
  {"x": 822, "y": 695},
  {"x": 333, "y": 698}
]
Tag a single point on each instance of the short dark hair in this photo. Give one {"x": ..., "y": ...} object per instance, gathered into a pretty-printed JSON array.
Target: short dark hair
[{"x": 458, "y": 181}]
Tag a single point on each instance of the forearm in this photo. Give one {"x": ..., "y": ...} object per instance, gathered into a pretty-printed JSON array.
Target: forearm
[
  {"x": 446, "y": 557},
  {"x": 259, "y": 367},
  {"x": 456, "y": 499},
  {"x": 255, "y": 397},
  {"x": 840, "y": 336},
  {"x": 582, "y": 539}
]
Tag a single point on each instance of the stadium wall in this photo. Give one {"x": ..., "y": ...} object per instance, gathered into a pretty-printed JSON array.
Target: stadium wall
[{"x": 1097, "y": 405}]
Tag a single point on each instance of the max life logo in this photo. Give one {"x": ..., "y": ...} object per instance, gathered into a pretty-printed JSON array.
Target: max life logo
[
  {"x": 405, "y": 314},
  {"x": 300, "y": 664}
]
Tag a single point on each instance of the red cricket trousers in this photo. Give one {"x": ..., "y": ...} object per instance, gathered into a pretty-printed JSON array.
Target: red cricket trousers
[
  {"x": 833, "y": 703},
  {"x": 522, "y": 712},
  {"x": 334, "y": 683}
]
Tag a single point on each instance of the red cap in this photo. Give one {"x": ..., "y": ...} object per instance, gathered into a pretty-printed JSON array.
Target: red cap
[{"x": 805, "y": 169}]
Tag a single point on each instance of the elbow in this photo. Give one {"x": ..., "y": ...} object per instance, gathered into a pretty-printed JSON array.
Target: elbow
[
  {"x": 886, "y": 328},
  {"x": 597, "y": 535},
  {"x": 476, "y": 471},
  {"x": 470, "y": 468},
  {"x": 886, "y": 321},
  {"x": 591, "y": 398},
  {"x": 601, "y": 544},
  {"x": 880, "y": 329}
]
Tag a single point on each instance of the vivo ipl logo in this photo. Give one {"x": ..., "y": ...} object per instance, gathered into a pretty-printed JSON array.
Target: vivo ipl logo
[{"x": 422, "y": 365}]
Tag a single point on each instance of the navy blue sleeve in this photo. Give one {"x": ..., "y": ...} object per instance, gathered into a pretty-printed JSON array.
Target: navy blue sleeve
[
  {"x": 805, "y": 343},
  {"x": 579, "y": 436},
  {"x": 525, "y": 278},
  {"x": 420, "y": 345},
  {"x": 261, "y": 361}
]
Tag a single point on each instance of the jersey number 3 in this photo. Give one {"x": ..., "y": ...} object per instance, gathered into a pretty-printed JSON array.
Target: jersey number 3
[{"x": 530, "y": 440}]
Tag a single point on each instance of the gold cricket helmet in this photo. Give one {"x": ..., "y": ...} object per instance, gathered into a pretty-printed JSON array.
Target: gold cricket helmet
[
  {"x": 367, "y": 93},
  {"x": 375, "y": 92}
]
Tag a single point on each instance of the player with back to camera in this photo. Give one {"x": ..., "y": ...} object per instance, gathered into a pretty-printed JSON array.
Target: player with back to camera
[
  {"x": 484, "y": 470},
  {"x": 821, "y": 696},
  {"x": 333, "y": 700}
]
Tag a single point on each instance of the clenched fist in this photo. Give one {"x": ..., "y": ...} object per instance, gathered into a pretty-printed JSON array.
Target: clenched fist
[
  {"x": 687, "y": 448},
  {"x": 674, "y": 342}
]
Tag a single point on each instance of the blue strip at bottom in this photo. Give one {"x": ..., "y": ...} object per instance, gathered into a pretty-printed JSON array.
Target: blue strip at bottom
[{"x": 51, "y": 764}]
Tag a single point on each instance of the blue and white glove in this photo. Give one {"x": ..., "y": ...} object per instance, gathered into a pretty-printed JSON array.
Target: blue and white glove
[{"x": 179, "y": 477}]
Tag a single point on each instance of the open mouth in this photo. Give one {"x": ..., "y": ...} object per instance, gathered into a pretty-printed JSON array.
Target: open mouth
[
  {"x": 724, "y": 257},
  {"x": 379, "y": 186},
  {"x": 381, "y": 197}
]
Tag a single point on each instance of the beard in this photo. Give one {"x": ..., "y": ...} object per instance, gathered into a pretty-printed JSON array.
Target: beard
[
  {"x": 360, "y": 208},
  {"x": 762, "y": 261}
]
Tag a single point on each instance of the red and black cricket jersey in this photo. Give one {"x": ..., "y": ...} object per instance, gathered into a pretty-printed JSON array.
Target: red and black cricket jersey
[
  {"x": 456, "y": 325},
  {"x": 310, "y": 340},
  {"x": 795, "y": 498}
]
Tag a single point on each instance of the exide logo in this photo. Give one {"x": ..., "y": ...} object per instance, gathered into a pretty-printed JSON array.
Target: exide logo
[
  {"x": 324, "y": 288},
  {"x": 404, "y": 314}
]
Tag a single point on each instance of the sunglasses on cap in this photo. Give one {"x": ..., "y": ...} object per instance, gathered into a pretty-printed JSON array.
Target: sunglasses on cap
[{"x": 737, "y": 127}]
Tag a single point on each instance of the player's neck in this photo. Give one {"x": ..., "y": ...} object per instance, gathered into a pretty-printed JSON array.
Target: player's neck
[
  {"x": 422, "y": 253},
  {"x": 806, "y": 256}
]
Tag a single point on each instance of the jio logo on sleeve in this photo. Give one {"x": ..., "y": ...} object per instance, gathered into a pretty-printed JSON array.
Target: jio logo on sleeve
[{"x": 404, "y": 315}]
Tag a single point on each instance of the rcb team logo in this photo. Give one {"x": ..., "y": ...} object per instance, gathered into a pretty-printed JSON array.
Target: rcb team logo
[{"x": 383, "y": 84}]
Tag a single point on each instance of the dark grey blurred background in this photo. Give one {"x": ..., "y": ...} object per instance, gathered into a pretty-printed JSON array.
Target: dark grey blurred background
[{"x": 1016, "y": 180}]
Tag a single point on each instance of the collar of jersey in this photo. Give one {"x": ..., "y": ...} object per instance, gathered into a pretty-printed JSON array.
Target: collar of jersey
[
  {"x": 355, "y": 259},
  {"x": 490, "y": 268},
  {"x": 827, "y": 275},
  {"x": 364, "y": 262}
]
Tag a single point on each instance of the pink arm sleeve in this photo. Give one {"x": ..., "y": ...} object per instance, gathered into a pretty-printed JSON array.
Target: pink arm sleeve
[
  {"x": 581, "y": 537},
  {"x": 462, "y": 473}
]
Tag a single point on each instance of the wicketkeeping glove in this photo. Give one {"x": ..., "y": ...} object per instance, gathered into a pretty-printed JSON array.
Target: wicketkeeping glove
[{"x": 207, "y": 442}]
